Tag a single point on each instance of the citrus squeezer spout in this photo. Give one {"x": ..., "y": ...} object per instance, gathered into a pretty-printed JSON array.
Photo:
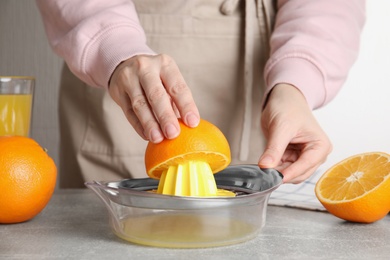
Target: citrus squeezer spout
[
  {"x": 191, "y": 178},
  {"x": 104, "y": 193}
]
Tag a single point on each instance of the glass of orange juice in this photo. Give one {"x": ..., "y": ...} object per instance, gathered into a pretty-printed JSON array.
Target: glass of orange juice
[{"x": 16, "y": 98}]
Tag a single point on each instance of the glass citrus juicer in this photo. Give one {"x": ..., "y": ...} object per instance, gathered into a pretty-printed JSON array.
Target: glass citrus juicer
[{"x": 189, "y": 202}]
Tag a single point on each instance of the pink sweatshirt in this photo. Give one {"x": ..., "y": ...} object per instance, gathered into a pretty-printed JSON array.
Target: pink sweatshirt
[{"x": 313, "y": 45}]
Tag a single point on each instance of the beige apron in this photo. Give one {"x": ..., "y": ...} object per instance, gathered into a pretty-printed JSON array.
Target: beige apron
[{"x": 220, "y": 47}]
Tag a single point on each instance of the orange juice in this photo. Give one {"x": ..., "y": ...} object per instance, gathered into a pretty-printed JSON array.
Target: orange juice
[
  {"x": 15, "y": 114},
  {"x": 185, "y": 231}
]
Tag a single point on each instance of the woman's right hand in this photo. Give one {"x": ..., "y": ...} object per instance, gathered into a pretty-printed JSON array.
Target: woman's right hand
[{"x": 152, "y": 93}]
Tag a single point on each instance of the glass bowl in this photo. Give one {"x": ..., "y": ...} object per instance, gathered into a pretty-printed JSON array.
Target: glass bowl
[{"x": 139, "y": 215}]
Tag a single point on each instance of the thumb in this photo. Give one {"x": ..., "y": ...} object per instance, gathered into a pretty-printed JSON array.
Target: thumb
[{"x": 274, "y": 150}]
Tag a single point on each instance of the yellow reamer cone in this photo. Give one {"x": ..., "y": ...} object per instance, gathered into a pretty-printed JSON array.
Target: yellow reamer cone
[{"x": 192, "y": 178}]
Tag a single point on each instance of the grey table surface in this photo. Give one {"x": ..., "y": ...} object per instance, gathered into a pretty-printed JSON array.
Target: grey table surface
[{"x": 74, "y": 225}]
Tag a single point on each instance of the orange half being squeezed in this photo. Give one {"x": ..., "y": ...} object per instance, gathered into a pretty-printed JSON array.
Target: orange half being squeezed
[{"x": 185, "y": 165}]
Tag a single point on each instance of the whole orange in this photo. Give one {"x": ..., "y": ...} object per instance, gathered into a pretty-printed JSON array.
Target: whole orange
[
  {"x": 27, "y": 178},
  {"x": 202, "y": 143}
]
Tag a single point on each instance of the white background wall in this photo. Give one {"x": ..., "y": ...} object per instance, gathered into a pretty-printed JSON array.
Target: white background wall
[{"x": 356, "y": 121}]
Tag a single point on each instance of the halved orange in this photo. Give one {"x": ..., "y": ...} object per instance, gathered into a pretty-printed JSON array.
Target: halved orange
[
  {"x": 205, "y": 143},
  {"x": 357, "y": 189}
]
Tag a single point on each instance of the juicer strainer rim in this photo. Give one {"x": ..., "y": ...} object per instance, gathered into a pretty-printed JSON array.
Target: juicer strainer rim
[{"x": 142, "y": 199}]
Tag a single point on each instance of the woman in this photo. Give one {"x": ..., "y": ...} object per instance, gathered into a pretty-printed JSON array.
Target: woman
[{"x": 254, "y": 68}]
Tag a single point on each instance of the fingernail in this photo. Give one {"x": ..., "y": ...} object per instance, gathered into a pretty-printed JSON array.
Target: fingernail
[
  {"x": 156, "y": 136},
  {"x": 171, "y": 131},
  {"x": 266, "y": 160},
  {"x": 192, "y": 120}
]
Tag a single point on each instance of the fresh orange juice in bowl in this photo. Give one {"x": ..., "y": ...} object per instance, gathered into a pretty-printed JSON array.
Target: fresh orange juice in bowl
[{"x": 16, "y": 98}]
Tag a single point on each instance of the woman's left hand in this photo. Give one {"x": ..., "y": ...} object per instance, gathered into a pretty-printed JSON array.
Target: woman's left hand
[{"x": 296, "y": 144}]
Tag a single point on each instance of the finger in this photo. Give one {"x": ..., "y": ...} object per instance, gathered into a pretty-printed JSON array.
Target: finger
[
  {"x": 177, "y": 113},
  {"x": 277, "y": 143},
  {"x": 289, "y": 175},
  {"x": 180, "y": 93},
  {"x": 143, "y": 112},
  {"x": 160, "y": 103},
  {"x": 133, "y": 119},
  {"x": 130, "y": 96},
  {"x": 305, "y": 165},
  {"x": 124, "y": 102}
]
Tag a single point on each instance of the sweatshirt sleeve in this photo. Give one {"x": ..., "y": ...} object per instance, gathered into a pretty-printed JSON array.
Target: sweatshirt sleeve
[
  {"x": 93, "y": 36},
  {"x": 313, "y": 46}
]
